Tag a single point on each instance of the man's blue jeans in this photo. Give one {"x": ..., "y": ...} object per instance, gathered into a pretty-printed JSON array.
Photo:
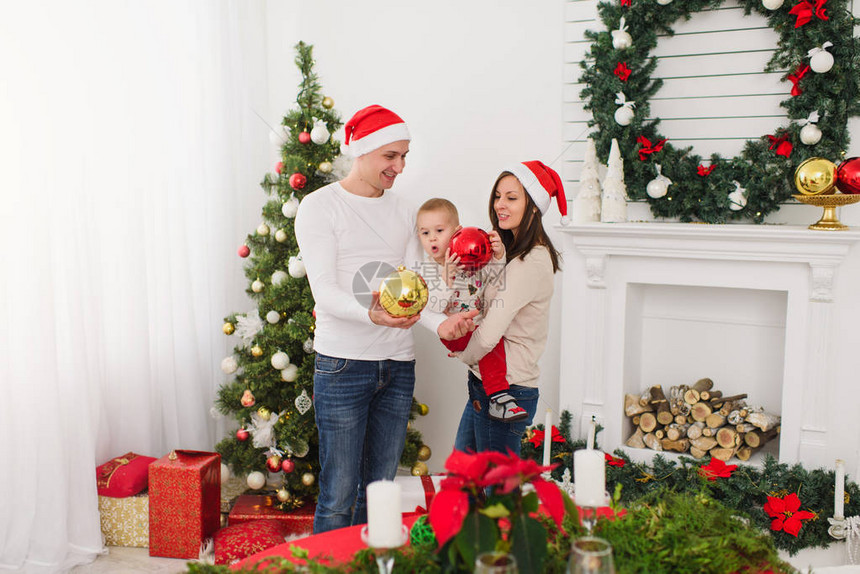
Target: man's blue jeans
[
  {"x": 478, "y": 432},
  {"x": 362, "y": 409}
]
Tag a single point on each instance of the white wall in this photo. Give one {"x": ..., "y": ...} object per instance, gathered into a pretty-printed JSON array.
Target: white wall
[{"x": 479, "y": 84}]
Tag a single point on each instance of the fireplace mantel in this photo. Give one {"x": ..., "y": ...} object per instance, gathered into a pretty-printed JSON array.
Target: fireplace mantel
[{"x": 604, "y": 262}]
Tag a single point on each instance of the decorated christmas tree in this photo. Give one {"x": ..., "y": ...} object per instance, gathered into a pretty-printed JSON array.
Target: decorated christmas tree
[{"x": 272, "y": 366}]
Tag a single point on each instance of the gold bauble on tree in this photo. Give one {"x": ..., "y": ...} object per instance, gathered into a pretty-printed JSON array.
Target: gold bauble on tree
[
  {"x": 424, "y": 452},
  {"x": 326, "y": 167},
  {"x": 264, "y": 413},
  {"x": 815, "y": 176},
  {"x": 403, "y": 293},
  {"x": 256, "y": 351},
  {"x": 420, "y": 469},
  {"x": 327, "y": 103},
  {"x": 228, "y": 328},
  {"x": 284, "y": 495},
  {"x": 308, "y": 478},
  {"x": 423, "y": 409}
]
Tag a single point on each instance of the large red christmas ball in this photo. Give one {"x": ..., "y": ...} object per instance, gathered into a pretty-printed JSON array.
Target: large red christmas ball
[
  {"x": 273, "y": 463},
  {"x": 848, "y": 175},
  {"x": 304, "y": 138},
  {"x": 288, "y": 465},
  {"x": 298, "y": 181},
  {"x": 244, "y": 251},
  {"x": 473, "y": 246},
  {"x": 242, "y": 435}
]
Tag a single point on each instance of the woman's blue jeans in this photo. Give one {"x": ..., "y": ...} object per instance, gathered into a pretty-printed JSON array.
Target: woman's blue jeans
[
  {"x": 479, "y": 433},
  {"x": 362, "y": 409}
]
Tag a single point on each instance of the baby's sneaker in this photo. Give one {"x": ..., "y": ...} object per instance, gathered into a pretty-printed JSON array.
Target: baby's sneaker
[{"x": 504, "y": 408}]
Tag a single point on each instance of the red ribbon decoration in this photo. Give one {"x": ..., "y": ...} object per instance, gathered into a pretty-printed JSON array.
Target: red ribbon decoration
[
  {"x": 804, "y": 11},
  {"x": 705, "y": 171},
  {"x": 537, "y": 437},
  {"x": 782, "y": 145},
  {"x": 622, "y": 71},
  {"x": 647, "y": 148},
  {"x": 796, "y": 77},
  {"x": 625, "y": 2}
]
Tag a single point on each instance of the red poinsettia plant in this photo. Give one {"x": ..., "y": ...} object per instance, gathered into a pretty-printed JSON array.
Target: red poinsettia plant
[
  {"x": 490, "y": 502},
  {"x": 786, "y": 513}
]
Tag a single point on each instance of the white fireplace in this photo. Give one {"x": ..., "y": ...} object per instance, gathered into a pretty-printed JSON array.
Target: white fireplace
[{"x": 756, "y": 308}]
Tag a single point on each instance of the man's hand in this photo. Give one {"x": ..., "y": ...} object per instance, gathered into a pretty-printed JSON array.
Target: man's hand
[
  {"x": 457, "y": 325},
  {"x": 380, "y": 316}
]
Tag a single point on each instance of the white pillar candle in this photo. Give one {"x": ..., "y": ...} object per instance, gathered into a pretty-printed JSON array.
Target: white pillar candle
[
  {"x": 384, "y": 521},
  {"x": 592, "y": 430},
  {"x": 547, "y": 437},
  {"x": 589, "y": 477},
  {"x": 839, "y": 496}
]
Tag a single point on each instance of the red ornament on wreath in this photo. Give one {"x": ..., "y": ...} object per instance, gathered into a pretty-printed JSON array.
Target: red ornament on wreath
[
  {"x": 848, "y": 175},
  {"x": 242, "y": 435},
  {"x": 473, "y": 247},
  {"x": 298, "y": 181},
  {"x": 288, "y": 465},
  {"x": 304, "y": 138}
]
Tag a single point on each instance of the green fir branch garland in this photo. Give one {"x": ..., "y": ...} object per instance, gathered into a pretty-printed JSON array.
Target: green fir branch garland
[{"x": 767, "y": 177}]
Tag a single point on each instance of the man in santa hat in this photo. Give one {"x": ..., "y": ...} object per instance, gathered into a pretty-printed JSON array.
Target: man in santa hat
[{"x": 352, "y": 234}]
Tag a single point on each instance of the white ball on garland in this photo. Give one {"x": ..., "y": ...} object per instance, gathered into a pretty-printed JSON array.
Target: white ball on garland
[
  {"x": 280, "y": 360},
  {"x": 296, "y": 267},
  {"x": 810, "y": 134},
  {"x": 257, "y": 286},
  {"x": 290, "y": 207},
  {"x": 229, "y": 365},
  {"x": 281, "y": 236},
  {"x": 289, "y": 373},
  {"x": 278, "y": 277},
  {"x": 772, "y": 4},
  {"x": 256, "y": 480},
  {"x": 738, "y": 198},
  {"x": 821, "y": 61},
  {"x": 273, "y": 317},
  {"x": 624, "y": 115},
  {"x": 656, "y": 189},
  {"x": 664, "y": 2},
  {"x": 621, "y": 38}
]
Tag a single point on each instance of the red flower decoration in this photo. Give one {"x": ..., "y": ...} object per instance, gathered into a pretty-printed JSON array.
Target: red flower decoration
[
  {"x": 447, "y": 512},
  {"x": 804, "y": 11},
  {"x": 647, "y": 148},
  {"x": 786, "y": 513},
  {"x": 717, "y": 469},
  {"x": 782, "y": 145},
  {"x": 705, "y": 171},
  {"x": 538, "y": 436},
  {"x": 612, "y": 461},
  {"x": 622, "y": 71},
  {"x": 795, "y": 79},
  {"x": 625, "y": 2}
]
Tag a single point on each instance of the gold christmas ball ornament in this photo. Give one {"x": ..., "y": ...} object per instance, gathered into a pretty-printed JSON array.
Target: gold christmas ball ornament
[
  {"x": 327, "y": 103},
  {"x": 420, "y": 469},
  {"x": 424, "y": 452},
  {"x": 308, "y": 479},
  {"x": 256, "y": 351},
  {"x": 264, "y": 413},
  {"x": 284, "y": 495},
  {"x": 403, "y": 293},
  {"x": 815, "y": 176},
  {"x": 423, "y": 409},
  {"x": 228, "y": 328},
  {"x": 326, "y": 167}
]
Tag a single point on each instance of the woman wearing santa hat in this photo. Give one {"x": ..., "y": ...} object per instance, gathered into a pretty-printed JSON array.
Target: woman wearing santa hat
[
  {"x": 516, "y": 308},
  {"x": 352, "y": 234}
]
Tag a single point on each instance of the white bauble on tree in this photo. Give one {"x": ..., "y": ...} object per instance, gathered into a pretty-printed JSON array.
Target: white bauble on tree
[
  {"x": 290, "y": 207},
  {"x": 621, "y": 38},
  {"x": 664, "y": 2},
  {"x": 225, "y": 473},
  {"x": 281, "y": 236},
  {"x": 257, "y": 286},
  {"x": 263, "y": 229},
  {"x": 296, "y": 267},
  {"x": 289, "y": 373},
  {"x": 273, "y": 317},
  {"x": 229, "y": 365},
  {"x": 256, "y": 480},
  {"x": 820, "y": 60},
  {"x": 280, "y": 360},
  {"x": 772, "y": 4},
  {"x": 278, "y": 277},
  {"x": 308, "y": 345},
  {"x": 319, "y": 133}
]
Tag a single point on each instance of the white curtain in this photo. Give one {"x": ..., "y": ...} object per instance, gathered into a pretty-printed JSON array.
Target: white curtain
[{"x": 130, "y": 148}]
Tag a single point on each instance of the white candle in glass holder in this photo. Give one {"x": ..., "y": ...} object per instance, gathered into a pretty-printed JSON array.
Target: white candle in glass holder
[
  {"x": 547, "y": 437},
  {"x": 589, "y": 477},
  {"x": 839, "y": 495},
  {"x": 384, "y": 520}
]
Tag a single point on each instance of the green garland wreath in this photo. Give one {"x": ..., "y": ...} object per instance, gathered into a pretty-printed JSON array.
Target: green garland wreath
[{"x": 767, "y": 176}]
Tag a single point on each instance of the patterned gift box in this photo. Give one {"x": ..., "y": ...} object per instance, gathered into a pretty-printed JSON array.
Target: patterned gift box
[
  {"x": 250, "y": 507},
  {"x": 125, "y": 521},
  {"x": 184, "y": 502}
]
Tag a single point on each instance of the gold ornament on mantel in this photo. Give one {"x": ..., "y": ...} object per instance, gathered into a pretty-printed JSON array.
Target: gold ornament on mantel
[
  {"x": 420, "y": 469},
  {"x": 828, "y": 221},
  {"x": 815, "y": 176},
  {"x": 403, "y": 293}
]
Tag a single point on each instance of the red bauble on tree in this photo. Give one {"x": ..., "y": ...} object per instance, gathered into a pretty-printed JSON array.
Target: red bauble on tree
[
  {"x": 279, "y": 166},
  {"x": 244, "y": 251},
  {"x": 273, "y": 463},
  {"x": 848, "y": 175},
  {"x": 298, "y": 181},
  {"x": 304, "y": 138},
  {"x": 242, "y": 435},
  {"x": 288, "y": 465},
  {"x": 473, "y": 247}
]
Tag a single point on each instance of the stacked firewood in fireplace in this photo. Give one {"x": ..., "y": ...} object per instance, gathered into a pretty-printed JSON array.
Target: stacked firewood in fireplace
[{"x": 700, "y": 421}]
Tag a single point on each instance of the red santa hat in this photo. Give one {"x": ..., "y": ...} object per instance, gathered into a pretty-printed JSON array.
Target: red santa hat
[
  {"x": 542, "y": 183},
  {"x": 371, "y": 128}
]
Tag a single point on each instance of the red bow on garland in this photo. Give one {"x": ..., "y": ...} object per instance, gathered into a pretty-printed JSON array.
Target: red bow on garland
[
  {"x": 705, "y": 171},
  {"x": 647, "y": 148},
  {"x": 622, "y": 71},
  {"x": 796, "y": 77},
  {"x": 625, "y": 2},
  {"x": 804, "y": 11},
  {"x": 782, "y": 145},
  {"x": 537, "y": 437}
]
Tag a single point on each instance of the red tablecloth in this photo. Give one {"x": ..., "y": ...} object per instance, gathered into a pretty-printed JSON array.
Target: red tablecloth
[{"x": 335, "y": 546}]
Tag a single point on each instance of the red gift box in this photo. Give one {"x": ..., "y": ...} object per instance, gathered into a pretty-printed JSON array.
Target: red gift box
[
  {"x": 250, "y": 507},
  {"x": 184, "y": 502}
]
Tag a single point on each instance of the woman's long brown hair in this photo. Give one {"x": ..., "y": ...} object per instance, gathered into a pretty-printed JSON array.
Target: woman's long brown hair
[{"x": 531, "y": 231}]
